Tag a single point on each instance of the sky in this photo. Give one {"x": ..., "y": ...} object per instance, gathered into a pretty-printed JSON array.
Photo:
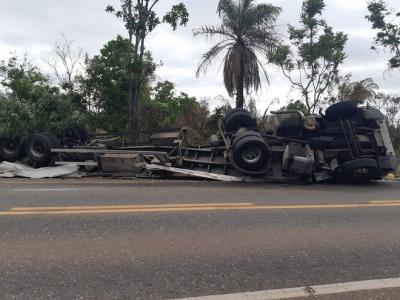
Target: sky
[{"x": 34, "y": 27}]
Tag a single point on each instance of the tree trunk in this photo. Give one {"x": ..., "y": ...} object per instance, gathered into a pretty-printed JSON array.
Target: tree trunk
[
  {"x": 135, "y": 116},
  {"x": 240, "y": 84},
  {"x": 131, "y": 112},
  {"x": 136, "y": 82},
  {"x": 131, "y": 89}
]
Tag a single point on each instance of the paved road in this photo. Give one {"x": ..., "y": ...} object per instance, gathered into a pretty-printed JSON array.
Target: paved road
[{"x": 104, "y": 239}]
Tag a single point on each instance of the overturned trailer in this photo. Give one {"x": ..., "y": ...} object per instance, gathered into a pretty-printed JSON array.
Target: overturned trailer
[{"x": 347, "y": 143}]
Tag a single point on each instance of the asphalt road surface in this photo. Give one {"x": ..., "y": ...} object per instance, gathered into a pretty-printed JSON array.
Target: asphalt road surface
[{"x": 115, "y": 239}]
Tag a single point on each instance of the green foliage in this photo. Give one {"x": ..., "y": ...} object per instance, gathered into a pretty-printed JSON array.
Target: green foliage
[
  {"x": 24, "y": 81},
  {"x": 390, "y": 105},
  {"x": 247, "y": 33},
  {"x": 358, "y": 92},
  {"x": 14, "y": 118},
  {"x": 140, "y": 16},
  {"x": 177, "y": 16},
  {"x": 30, "y": 104},
  {"x": 311, "y": 62},
  {"x": 105, "y": 86},
  {"x": 388, "y": 36},
  {"x": 140, "y": 19},
  {"x": 296, "y": 105},
  {"x": 216, "y": 115},
  {"x": 167, "y": 108}
]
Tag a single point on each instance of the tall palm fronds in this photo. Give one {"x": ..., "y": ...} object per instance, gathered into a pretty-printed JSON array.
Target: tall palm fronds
[
  {"x": 247, "y": 32},
  {"x": 359, "y": 91}
]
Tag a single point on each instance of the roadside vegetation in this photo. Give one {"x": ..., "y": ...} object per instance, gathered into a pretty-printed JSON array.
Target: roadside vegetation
[{"x": 117, "y": 90}]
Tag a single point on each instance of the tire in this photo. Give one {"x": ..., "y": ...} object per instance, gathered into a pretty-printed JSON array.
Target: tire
[
  {"x": 236, "y": 119},
  {"x": 250, "y": 153},
  {"x": 76, "y": 133},
  {"x": 290, "y": 126},
  {"x": 345, "y": 110},
  {"x": 10, "y": 150},
  {"x": 38, "y": 149},
  {"x": 56, "y": 142},
  {"x": 82, "y": 133},
  {"x": 1, "y": 141},
  {"x": 363, "y": 169}
]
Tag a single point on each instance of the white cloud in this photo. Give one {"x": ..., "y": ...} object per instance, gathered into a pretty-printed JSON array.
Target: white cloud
[
  {"x": 34, "y": 27},
  {"x": 350, "y": 4}
]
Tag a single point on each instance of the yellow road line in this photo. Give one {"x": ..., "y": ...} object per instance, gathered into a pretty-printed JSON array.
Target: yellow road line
[
  {"x": 195, "y": 209},
  {"x": 114, "y": 207},
  {"x": 384, "y": 201}
]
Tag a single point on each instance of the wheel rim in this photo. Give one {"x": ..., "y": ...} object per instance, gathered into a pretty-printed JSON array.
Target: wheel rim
[
  {"x": 10, "y": 147},
  {"x": 37, "y": 149},
  {"x": 252, "y": 154},
  {"x": 361, "y": 173}
]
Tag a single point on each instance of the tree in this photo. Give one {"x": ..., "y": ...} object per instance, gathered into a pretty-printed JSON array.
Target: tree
[
  {"x": 140, "y": 20},
  {"x": 296, "y": 105},
  {"x": 359, "y": 91},
  {"x": 247, "y": 33},
  {"x": 390, "y": 105},
  {"x": 252, "y": 107},
  {"x": 168, "y": 108},
  {"x": 30, "y": 103},
  {"x": 218, "y": 112},
  {"x": 23, "y": 81},
  {"x": 65, "y": 65},
  {"x": 311, "y": 62},
  {"x": 104, "y": 86},
  {"x": 388, "y": 35}
]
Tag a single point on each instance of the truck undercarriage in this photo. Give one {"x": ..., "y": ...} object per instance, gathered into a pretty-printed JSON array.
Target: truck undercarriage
[{"x": 347, "y": 143}]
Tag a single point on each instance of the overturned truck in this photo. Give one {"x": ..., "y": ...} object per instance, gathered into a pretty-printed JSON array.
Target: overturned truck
[{"x": 347, "y": 143}]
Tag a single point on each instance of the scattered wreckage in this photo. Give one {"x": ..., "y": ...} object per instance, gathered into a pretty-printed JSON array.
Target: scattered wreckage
[{"x": 347, "y": 143}]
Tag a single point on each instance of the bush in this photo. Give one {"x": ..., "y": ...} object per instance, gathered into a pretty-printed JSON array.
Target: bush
[
  {"x": 48, "y": 114},
  {"x": 31, "y": 104},
  {"x": 15, "y": 118}
]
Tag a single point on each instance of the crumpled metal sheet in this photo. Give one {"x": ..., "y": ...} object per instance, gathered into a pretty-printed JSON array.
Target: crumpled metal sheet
[{"x": 9, "y": 170}]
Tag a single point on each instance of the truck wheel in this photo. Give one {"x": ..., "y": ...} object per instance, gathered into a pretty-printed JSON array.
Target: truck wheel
[
  {"x": 236, "y": 119},
  {"x": 345, "y": 110},
  {"x": 38, "y": 148},
  {"x": 82, "y": 133},
  {"x": 56, "y": 142},
  {"x": 363, "y": 169},
  {"x": 291, "y": 125},
  {"x": 76, "y": 133},
  {"x": 10, "y": 150},
  {"x": 250, "y": 153}
]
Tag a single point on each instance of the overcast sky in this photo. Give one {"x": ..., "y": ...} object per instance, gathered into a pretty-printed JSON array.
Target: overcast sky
[{"x": 34, "y": 27}]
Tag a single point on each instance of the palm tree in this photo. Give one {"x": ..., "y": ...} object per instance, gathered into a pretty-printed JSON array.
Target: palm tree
[
  {"x": 247, "y": 33},
  {"x": 359, "y": 91}
]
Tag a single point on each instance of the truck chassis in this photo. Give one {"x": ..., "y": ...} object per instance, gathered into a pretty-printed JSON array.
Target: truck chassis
[{"x": 347, "y": 143}]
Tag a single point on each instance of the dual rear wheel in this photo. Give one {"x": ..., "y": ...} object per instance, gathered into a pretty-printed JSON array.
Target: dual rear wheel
[
  {"x": 11, "y": 149},
  {"x": 37, "y": 147},
  {"x": 249, "y": 151}
]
